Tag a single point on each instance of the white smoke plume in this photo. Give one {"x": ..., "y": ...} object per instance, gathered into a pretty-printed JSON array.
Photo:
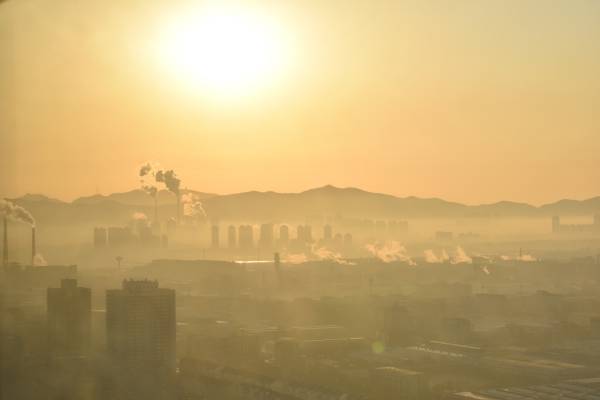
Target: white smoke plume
[
  {"x": 139, "y": 216},
  {"x": 486, "y": 270},
  {"x": 39, "y": 261},
  {"x": 460, "y": 257},
  {"x": 192, "y": 206},
  {"x": 323, "y": 253},
  {"x": 432, "y": 258},
  {"x": 389, "y": 251},
  {"x": 15, "y": 212},
  {"x": 296, "y": 258},
  {"x": 523, "y": 257}
]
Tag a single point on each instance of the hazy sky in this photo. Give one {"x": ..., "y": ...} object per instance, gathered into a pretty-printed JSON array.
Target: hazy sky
[{"x": 472, "y": 101}]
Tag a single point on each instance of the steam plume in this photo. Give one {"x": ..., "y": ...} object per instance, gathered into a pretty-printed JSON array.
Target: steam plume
[
  {"x": 39, "y": 261},
  {"x": 139, "y": 216},
  {"x": 325, "y": 254},
  {"x": 432, "y": 258},
  {"x": 296, "y": 258},
  {"x": 460, "y": 257},
  {"x": 390, "y": 251},
  {"x": 522, "y": 257},
  {"x": 192, "y": 206},
  {"x": 15, "y": 212}
]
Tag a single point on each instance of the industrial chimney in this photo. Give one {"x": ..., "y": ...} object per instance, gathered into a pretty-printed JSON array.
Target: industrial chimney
[
  {"x": 33, "y": 249},
  {"x": 5, "y": 245},
  {"x": 277, "y": 263},
  {"x": 178, "y": 197}
]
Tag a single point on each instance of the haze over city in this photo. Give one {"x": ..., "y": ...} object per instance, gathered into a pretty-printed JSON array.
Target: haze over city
[{"x": 300, "y": 200}]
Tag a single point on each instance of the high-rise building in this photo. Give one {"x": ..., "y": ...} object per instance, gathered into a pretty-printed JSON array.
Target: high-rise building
[
  {"x": 246, "y": 237},
  {"x": 214, "y": 236},
  {"x": 69, "y": 319},
  {"x": 119, "y": 236},
  {"x": 308, "y": 234},
  {"x": 327, "y": 233},
  {"x": 304, "y": 233},
  {"x": 348, "y": 240},
  {"x": 99, "y": 237},
  {"x": 266, "y": 235},
  {"x": 140, "y": 325},
  {"x": 284, "y": 235},
  {"x": 231, "y": 237},
  {"x": 556, "y": 224}
]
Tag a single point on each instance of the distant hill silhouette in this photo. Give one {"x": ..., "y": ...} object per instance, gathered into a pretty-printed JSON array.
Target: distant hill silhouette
[{"x": 273, "y": 206}]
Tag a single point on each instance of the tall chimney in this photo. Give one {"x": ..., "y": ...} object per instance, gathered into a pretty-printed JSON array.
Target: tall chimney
[
  {"x": 33, "y": 249},
  {"x": 5, "y": 245},
  {"x": 178, "y": 196},
  {"x": 156, "y": 209},
  {"x": 277, "y": 263}
]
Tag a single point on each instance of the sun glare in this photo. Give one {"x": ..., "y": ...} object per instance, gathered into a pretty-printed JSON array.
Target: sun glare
[{"x": 224, "y": 51}]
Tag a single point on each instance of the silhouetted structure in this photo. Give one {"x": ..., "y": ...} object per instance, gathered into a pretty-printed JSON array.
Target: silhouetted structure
[
  {"x": 5, "y": 242},
  {"x": 140, "y": 325},
  {"x": 266, "y": 236},
  {"x": 214, "y": 236},
  {"x": 246, "y": 237},
  {"x": 558, "y": 227},
  {"x": 119, "y": 236},
  {"x": 99, "y": 237},
  {"x": 284, "y": 235},
  {"x": 231, "y": 237},
  {"x": 327, "y": 233},
  {"x": 69, "y": 319}
]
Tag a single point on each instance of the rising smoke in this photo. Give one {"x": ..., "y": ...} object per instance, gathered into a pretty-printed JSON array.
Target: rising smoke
[
  {"x": 192, "y": 206},
  {"x": 460, "y": 257},
  {"x": 322, "y": 253},
  {"x": 148, "y": 179},
  {"x": 39, "y": 260},
  {"x": 169, "y": 178},
  {"x": 15, "y": 212},
  {"x": 389, "y": 251},
  {"x": 522, "y": 257},
  {"x": 432, "y": 258},
  {"x": 296, "y": 258}
]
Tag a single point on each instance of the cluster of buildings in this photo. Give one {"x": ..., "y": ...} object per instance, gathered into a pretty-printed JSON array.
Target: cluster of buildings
[
  {"x": 117, "y": 236},
  {"x": 243, "y": 237},
  {"x": 57, "y": 358},
  {"x": 558, "y": 227}
]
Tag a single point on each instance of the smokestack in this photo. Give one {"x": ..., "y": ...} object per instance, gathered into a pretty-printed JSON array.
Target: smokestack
[
  {"x": 156, "y": 224},
  {"x": 33, "y": 249},
  {"x": 277, "y": 262},
  {"x": 178, "y": 196},
  {"x": 5, "y": 244}
]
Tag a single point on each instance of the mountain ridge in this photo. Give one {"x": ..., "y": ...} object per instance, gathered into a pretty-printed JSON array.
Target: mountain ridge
[{"x": 275, "y": 206}]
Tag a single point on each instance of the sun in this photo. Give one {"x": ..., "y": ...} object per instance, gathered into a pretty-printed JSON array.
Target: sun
[{"x": 224, "y": 51}]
